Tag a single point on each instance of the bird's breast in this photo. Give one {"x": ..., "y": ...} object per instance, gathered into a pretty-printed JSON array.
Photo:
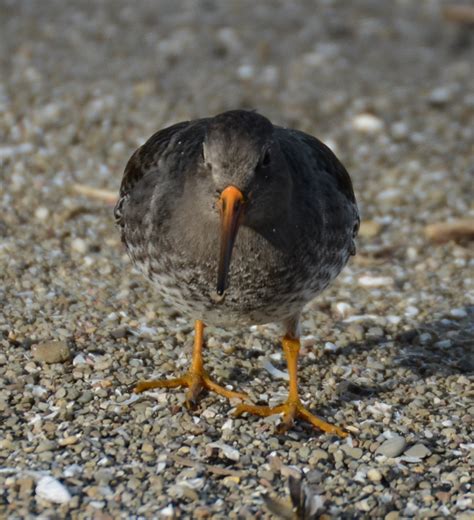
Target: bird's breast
[{"x": 265, "y": 284}]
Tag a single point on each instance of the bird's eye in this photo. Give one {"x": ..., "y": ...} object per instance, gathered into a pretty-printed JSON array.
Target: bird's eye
[{"x": 266, "y": 159}]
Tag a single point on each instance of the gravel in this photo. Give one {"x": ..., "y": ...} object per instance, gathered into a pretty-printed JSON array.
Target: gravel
[{"x": 389, "y": 86}]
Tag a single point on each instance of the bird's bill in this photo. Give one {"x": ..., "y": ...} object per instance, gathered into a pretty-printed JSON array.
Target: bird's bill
[{"x": 231, "y": 203}]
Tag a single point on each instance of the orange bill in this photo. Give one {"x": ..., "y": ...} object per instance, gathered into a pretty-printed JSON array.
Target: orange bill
[{"x": 231, "y": 204}]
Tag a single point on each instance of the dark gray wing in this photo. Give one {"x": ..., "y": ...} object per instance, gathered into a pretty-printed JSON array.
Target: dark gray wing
[
  {"x": 144, "y": 160},
  {"x": 320, "y": 155},
  {"x": 318, "y": 158}
]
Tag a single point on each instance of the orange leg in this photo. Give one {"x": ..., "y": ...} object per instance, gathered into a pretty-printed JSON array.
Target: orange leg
[
  {"x": 196, "y": 379},
  {"x": 292, "y": 408}
]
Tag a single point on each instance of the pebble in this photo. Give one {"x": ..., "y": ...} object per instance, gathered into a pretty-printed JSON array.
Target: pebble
[
  {"x": 223, "y": 449},
  {"x": 330, "y": 347},
  {"x": 369, "y": 229},
  {"x": 147, "y": 447},
  {"x": 69, "y": 440},
  {"x": 374, "y": 475},
  {"x": 425, "y": 338},
  {"x": 79, "y": 245},
  {"x": 392, "y": 447},
  {"x": 390, "y": 195},
  {"x": 419, "y": 451},
  {"x": 319, "y": 454},
  {"x": 440, "y": 96},
  {"x": 458, "y": 313},
  {"x": 51, "y": 352},
  {"x": 445, "y": 343},
  {"x": 26, "y": 485},
  {"x": 42, "y": 213},
  {"x": 355, "y": 453},
  {"x": 375, "y": 281},
  {"x": 367, "y": 123},
  {"x": 48, "y": 488},
  {"x": 45, "y": 445},
  {"x": 86, "y": 397},
  {"x": 344, "y": 309},
  {"x": 400, "y": 130},
  {"x": 411, "y": 311}
]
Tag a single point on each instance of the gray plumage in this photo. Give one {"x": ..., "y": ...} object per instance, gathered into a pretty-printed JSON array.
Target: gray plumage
[{"x": 297, "y": 232}]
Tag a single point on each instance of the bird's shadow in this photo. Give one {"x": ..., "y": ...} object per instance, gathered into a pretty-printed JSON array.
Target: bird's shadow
[
  {"x": 444, "y": 346},
  {"x": 440, "y": 347}
]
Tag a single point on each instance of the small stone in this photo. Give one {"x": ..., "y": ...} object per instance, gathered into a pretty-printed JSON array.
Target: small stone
[
  {"x": 367, "y": 123},
  {"x": 364, "y": 505},
  {"x": 6, "y": 444},
  {"x": 425, "y": 338},
  {"x": 79, "y": 245},
  {"x": 231, "y": 481},
  {"x": 25, "y": 485},
  {"x": 444, "y": 343},
  {"x": 393, "y": 515},
  {"x": 392, "y": 447},
  {"x": 69, "y": 440},
  {"x": 355, "y": 453},
  {"x": 246, "y": 71},
  {"x": 458, "y": 313},
  {"x": 147, "y": 447},
  {"x": 120, "y": 332},
  {"x": 304, "y": 453},
  {"x": 330, "y": 347},
  {"x": 86, "y": 397},
  {"x": 208, "y": 413},
  {"x": 399, "y": 130},
  {"x": 103, "y": 476},
  {"x": 411, "y": 311},
  {"x": 375, "y": 281},
  {"x": 440, "y": 96},
  {"x": 318, "y": 454},
  {"x": 42, "y": 213},
  {"x": 224, "y": 450},
  {"x": 48, "y": 488},
  {"x": 374, "y": 475},
  {"x": 343, "y": 309},
  {"x": 79, "y": 360},
  {"x": 356, "y": 332},
  {"x": 51, "y": 351},
  {"x": 45, "y": 446},
  {"x": 369, "y": 229},
  {"x": 419, "y": 451},
  {"x": 392, "y": 195}
]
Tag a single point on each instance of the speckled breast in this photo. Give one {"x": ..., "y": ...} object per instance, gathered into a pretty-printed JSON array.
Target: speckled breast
[{"x": 265, "y": 285}]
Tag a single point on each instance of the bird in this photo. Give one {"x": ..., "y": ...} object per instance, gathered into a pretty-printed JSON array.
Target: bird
[{"x": 238, "y": 222}]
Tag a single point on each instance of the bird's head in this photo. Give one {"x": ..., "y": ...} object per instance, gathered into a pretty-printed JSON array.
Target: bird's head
[{"x": 249, "y": 176}]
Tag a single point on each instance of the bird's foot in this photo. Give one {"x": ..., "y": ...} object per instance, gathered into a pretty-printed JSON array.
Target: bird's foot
[
  {"x": 195, "y": 382},
  {"x": 291, "y": 410}
]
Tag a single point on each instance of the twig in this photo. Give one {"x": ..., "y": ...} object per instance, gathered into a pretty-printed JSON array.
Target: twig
[
  {"x": 445, "y": 231},
  {"x": 95, "y": 193},
  {"x": 217, "y": 470},
  {"x": 459, "y": 13}
]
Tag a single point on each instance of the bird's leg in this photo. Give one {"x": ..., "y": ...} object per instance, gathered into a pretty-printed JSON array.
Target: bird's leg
[
  {"x": 195, "y": 379},
  {"x": 293, "y": 407}
]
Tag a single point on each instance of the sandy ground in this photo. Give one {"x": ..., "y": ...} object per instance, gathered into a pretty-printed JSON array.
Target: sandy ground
[{"x": 387, "y": 350}]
